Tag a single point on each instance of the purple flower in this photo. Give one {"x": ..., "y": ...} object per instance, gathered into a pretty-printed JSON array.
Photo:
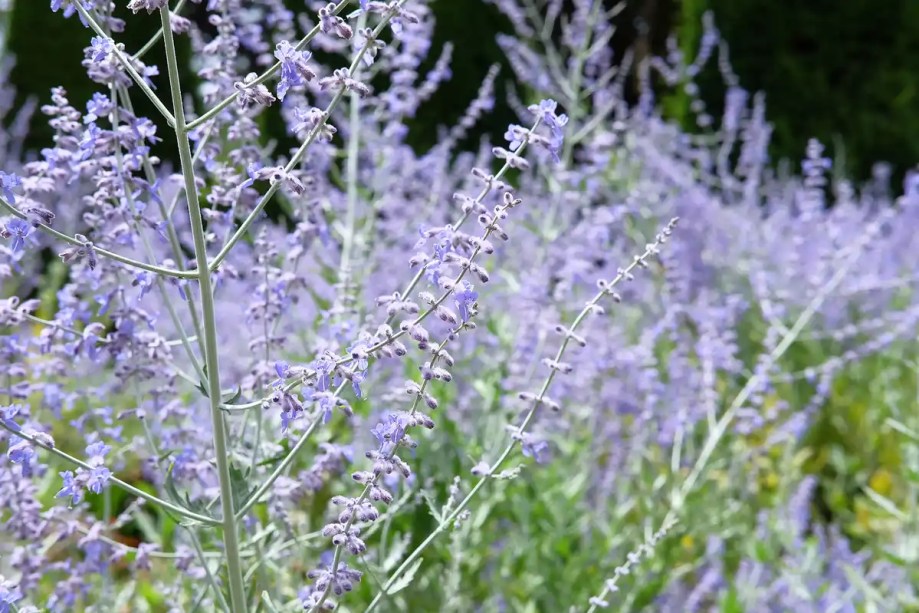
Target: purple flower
[
  {"x": 101, "y": 48},
  {"x": 96, "y": 452},
  {"x": 342, "y": 580},
  {"x": 71, "y": 488},
  {"x": 67, "y": 5},
  {"x": 251, "y": 169},
  {"x": 250, "y": 93},
  {"x": 286, "y": 419},
  {"x": 22, "y": 453},
  {"x": 282, "y": 368},
  {"x": 326, "y": 402},
  {"x": 534, "y": 447},
  {"x": 146, "y": 5},
  {"x": 79, "y": 252},
  {"x": 145, "y": 131},
  {"x": 89, "y": 140},
  {"x": 142, "y": 560},
  {"x": 38, "y": 213},
  {"x": 480, "y": 469},
  {"x": 389, "y": 431},
  {"x": 294, "y": 70},
  {"x": 911, "y": 184},
  {"x": 341, "y": 79},
  {"x": 97, "y": 479},
  {"x": 332, "y": 24},
  {"x": 7, "y": 183},
  {"x": 371, "y": 45},
  {"x": 323, "y": 366},
  {"x": 356, "y": 379},
  {"x": 99, "y": 106},
  {"x": 274, "y": 175},
  {"x": 144, "y": 280},
  {"x": 309, "y": 119},
  {"x": 18, "y": 230},
  {"x": 9, "y": 595},
  {"x": 291, "y": 407},
  {"x": 516, "y": 135},
  {"x": 545, "y": 111},
  {"x": 464, "y": 298},
  {"x": 358, "y": 351},
  {"x": 7, "y": 414}
]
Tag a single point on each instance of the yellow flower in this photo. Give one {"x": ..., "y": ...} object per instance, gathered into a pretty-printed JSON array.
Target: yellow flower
[{"x": 881, "y": 481}]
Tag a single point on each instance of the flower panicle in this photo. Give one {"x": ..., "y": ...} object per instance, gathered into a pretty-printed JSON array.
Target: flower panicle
[{"x": 392, "y": 433}]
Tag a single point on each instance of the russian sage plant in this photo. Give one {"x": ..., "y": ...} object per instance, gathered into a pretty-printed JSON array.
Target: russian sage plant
[
  {"x": 169, "y": 327},
  {"x": 228, "y": 330}
]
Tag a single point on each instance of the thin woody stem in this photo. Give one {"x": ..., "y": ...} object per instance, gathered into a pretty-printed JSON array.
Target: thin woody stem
[{"x": 211, "y": 356}]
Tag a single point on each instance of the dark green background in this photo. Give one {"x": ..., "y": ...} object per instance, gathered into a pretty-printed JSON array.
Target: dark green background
[{"x": 846, "y": 72}]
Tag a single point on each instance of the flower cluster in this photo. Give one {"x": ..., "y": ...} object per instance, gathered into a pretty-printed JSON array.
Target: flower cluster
[
  {"x": 265, "y": 298},
  {"x": 456, "y": 259},
  {"x": 92, "y": 479}
]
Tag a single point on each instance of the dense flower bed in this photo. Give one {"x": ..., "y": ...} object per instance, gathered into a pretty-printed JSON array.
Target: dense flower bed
[{"x": 605, "y": 362}]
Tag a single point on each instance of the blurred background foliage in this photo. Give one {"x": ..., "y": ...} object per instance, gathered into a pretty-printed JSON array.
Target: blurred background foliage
[{"x": 843, "y": 72}]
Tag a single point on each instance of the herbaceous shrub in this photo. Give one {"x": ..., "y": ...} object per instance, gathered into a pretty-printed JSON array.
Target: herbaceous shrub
[{"x": 330, "y": 370}]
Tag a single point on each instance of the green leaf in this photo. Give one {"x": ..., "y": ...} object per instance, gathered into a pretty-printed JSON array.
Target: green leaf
[
  {"x": 395, "y": 552},
  {"x": 202, "y": 386},
  {"x": 869, "y": 590},
  {"x": 235, "y": 397},
  {"x": 181, "y": 499},
  {"x": 124, "y": 596},
  {"x": 266, "y": 598},
  {"x": 146, "y": 526},
  {"x": 731, "y": 603},
  {"x": 431, "y": 504},
  {"x": 486, "y": 390},
  {"x": 274, "y": 459},
  {"x": 239, "y": 485},
  {"x": 886, "y": 504},
  {"x": 170, "y": 486},
  {"x": 902, "y": 428},
  {"x": 406, "y": 579}
]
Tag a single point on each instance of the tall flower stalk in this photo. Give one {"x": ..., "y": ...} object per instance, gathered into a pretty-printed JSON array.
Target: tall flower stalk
[
  {"x": 209, "y": 328},
  {"x": 252, "y": 369}
]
